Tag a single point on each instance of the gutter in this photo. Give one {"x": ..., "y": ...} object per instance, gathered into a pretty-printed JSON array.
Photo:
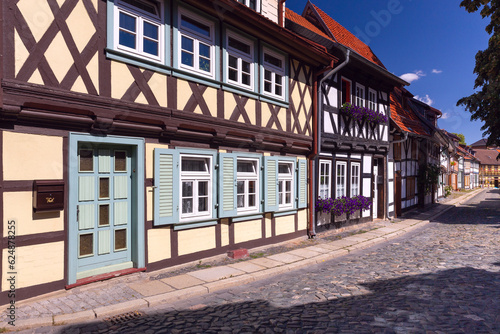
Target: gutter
[{"x": 317, "y": 111}]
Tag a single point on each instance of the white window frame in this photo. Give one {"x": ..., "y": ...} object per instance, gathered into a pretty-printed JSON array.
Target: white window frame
[
  {"x": 141, "y": 17},
  {"x": 283, "y": 179},
  {"x": 196, "y": 177},
  {"x": 360, "y": 95},
  {"x": 372, "y": 104},
  {"x": 281, "y": 71},
  {"x": 325, "y": 177},
  {"x": 355, "y": 178},
  {"x": 340, "y": 179},
  {"x": 241, "y": 57},
  {"x": 247, "y": 3},
  {"x": 247, "y": 177},
  {"x": 197, "y": 40}
]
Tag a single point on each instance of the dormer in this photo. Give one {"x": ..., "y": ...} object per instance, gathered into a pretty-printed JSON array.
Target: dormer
[{"x": 274, "y": 10}]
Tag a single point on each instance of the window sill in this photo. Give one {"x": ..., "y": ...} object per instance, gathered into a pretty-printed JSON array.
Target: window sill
[
  {"x": 137, "y": 61},
  {"x": 191, "y": 76},
  {"x": 281, "y": 103},
  {"x": 248, "y": 217},
  {"x": 186, "y": 226},
  {"x": 285, "y": 213},
  {"x": 239, "y": 90}
]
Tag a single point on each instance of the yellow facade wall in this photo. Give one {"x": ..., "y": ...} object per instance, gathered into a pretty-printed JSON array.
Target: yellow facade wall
[
  {"x": 246, "y": 231},
  {"x": 18, "y": 206},
  {"x": 269, "y": 224},
  {"x": 302, "y": 219},
  {"x": 32, "y": 157},
  {"x": 159, "y": 244},
  {"x": 35, "y": 265},
  {"x": 196, "y": 240},
  {"x": 285, "y": 224},
  {"x": 150, "y": 158},
  {"x": 224, "y": 227}
]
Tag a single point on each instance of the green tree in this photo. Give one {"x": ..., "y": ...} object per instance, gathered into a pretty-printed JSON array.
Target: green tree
[
  {"x": 484, "y": 104},
  {"x": 461, "y": 136}
]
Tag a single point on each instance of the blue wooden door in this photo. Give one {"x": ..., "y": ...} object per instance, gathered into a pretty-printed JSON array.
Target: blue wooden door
[{"x": 103, "y": 216}]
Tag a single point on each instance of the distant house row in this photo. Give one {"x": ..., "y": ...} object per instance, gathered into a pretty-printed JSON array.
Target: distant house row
[{"x": 136, "y": 135}]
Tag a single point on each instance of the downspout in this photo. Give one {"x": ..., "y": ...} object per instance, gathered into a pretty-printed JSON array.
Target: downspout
[
  {"x": 405, "y": 135},
  {"x": 317, "y": 118}
]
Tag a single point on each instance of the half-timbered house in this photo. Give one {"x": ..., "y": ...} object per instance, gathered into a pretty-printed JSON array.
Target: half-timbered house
[
  {"x": 140, "y": 134},
  {"x": 352, "y": 147}
]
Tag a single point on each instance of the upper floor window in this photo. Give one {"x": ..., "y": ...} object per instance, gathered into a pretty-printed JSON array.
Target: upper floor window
[
  {"x": 138, "y": 28},
  {"x": 254, "y": 4},
  {"x": 196, "y": 44},
  {"x": 240, "y": 61},
  {"x": 360, "y": 96},
  {"x": 372, "y": 99},
  {"x": 274, "y": 74},
  {"x": 346, "y": 91}
]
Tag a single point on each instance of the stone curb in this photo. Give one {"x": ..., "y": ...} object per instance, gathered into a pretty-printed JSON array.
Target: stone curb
[{"x": 357, "y": 242}]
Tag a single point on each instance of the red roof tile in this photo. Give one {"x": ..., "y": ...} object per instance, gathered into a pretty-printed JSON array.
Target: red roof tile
[
  {"x": 405, "y": 118},
  {"x": 346, "y": 38}
]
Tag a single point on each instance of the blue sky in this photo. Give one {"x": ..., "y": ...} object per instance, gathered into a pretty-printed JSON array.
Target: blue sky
[{"x": 430, "y": 43}]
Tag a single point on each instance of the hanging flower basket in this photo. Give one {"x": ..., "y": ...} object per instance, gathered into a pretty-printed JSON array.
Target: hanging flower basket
[
  {"x": 363, "y": 114},
  {"x": 343, "y": 205}
]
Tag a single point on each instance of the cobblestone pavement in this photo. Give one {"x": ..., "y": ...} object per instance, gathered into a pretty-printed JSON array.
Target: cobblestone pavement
[{"x": 443, "y": 278}]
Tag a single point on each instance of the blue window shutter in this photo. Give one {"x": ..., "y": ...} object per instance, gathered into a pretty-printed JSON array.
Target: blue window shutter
[
  {"x": 302, "y": 184},
  {"x": 166, "y": 180},
  {"x": 271, "y": 202},
  {"x": 227, "y": 185}
]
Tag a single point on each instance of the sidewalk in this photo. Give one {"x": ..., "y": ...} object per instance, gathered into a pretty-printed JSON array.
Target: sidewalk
[{"x": 141, "y": 291}]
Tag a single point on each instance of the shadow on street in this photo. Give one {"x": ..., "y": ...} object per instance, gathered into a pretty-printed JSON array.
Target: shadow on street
[{"x": 463, "y": 300}]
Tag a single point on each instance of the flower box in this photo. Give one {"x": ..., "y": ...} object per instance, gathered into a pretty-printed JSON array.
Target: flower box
[{"x": 363, "y": 114}]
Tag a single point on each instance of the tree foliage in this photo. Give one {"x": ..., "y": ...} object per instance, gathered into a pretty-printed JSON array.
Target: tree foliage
[
  {"x": 461, "y": 136},
  {"x": 484, "y": 104}
]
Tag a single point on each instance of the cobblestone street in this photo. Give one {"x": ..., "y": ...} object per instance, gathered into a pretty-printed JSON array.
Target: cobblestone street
[{"x": 443, "y": 278}]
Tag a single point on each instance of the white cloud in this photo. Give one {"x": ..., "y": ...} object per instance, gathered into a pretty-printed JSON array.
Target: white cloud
[
  {"x": 425, "y": 99},
  {"x": 446, "y": 115},
  {"x": 436, "y": 71},
  {"x": 410, "y": 77}
]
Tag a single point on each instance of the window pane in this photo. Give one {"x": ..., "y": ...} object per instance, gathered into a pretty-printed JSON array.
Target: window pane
[
  {"x": 288, "y": 186},
  {"x": 238, "y": 45},
  {"x": 187, "y": 205},
  {"x": 120, "y": 161},
  {"x": 150, "y": 30},
  {"x": 267, "y": 75},
  {"x": 104, "y": 187},
  {"x": 233, "y": 62},
  {"x": 103, "y": 214},
  {"x": 86, "y": 160},
  {"x": 187, "y": 189},
  {"x": 245, "y": 79},
  {"x": 240, "y": 187},
  {"x": 245, "y": 167},
  {"x": 272, "y": 60},
  {"x": 127, "y": 22},
  {"x": 284, "y": 169},
  {"x": 194, "y": 165},
  {"x": 251, "y": 200},
  {"x": 86, "y": 244},
  {"x": 203, "y": 188},
  {"x": 277, "y": 90},
  {"x": 245, "y": 66},
  {"x": 267, "y": 86},
  {"x": 203, "y": 204},
  {"x": 205, "y": 64},
  {"x": 120, "y": 239},
  {"x": 196, "y": 26},
  {"x": 147, "y": 7},
  {"x": 240, "y": 201},
  {"x": 150, "y": 47},
  {"x": 127, "y": 39},
  {"x": 253, "y": 4},
  {"x": 233, "y": 75},
  {"x": 204, "y": 50},
  {"x": 187, "y": 44},
  {"x": 187, "y": 59}
]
